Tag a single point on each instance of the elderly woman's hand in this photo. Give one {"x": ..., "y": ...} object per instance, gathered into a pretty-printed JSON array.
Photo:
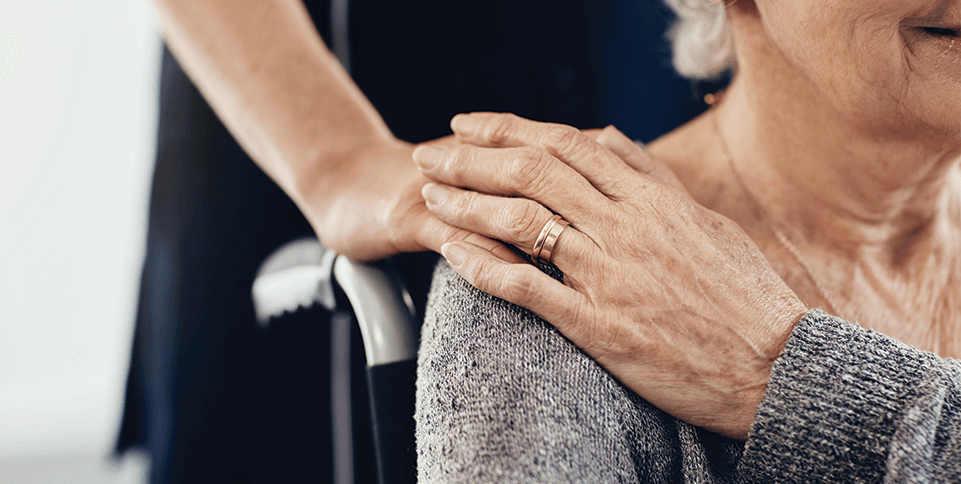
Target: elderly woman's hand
[{"x": 673, "y": 299}]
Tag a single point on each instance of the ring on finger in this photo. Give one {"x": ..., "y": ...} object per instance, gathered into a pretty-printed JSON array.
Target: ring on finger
[{"x": 547, "y": 239}]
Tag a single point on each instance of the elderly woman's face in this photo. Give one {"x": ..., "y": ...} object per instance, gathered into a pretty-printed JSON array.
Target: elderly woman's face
[{"x": 895, "y": 64}]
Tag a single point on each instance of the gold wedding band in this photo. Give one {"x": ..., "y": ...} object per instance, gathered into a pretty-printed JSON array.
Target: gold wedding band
[{"x": 544, "y": 245}]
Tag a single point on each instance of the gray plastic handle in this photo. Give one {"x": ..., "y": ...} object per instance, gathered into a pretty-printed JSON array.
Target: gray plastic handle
[
  {"x": 383, "y": 308},
  {"x": 302, "y": 273}
]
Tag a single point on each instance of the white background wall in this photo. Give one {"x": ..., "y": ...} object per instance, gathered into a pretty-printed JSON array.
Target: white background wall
[{"x": 78, "y": 83}]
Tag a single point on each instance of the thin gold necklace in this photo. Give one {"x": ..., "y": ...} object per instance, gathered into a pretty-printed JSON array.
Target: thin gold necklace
[{"x": 772, "y": 223}]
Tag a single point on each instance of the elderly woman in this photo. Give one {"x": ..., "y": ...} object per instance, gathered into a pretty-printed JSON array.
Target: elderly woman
[{"x": 826, "y": 175}]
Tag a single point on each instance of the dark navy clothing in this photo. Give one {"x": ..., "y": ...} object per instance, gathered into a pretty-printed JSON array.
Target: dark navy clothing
[{"x": 211, "y": 398}]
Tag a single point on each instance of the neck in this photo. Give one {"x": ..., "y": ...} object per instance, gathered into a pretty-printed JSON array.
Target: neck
[{"x": 831, "y": 180}]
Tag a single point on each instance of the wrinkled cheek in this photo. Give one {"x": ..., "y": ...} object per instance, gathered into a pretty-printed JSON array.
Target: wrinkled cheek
[
  {"x": 863, "y": 71},
  {"x": 877, "y": 68},
  {"x": 915, "y": 85}
]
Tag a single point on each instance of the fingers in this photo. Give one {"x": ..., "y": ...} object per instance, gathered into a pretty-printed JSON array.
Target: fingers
[
  {"x": 598, "y": 165},
  {"x": 622, "y": 146},
  {"x": 434, "y": 233},
  {"x": 516, "y": 221},
  {"x": 521, "y": 284},
  {"x": 527, "y": 171},
  {"x": 636, "y": 156}
]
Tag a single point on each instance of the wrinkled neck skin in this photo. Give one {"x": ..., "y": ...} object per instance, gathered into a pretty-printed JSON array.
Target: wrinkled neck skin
[
  {"x": 874, "y": 210},
  {"x": 863, "y": 182},
  {"x": 834, "y": 185}
]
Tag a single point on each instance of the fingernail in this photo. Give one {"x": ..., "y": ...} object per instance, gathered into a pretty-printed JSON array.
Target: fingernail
[
  {"x": 428, "y": 156},
  {"x": 455, "y": 254},
  {"x": 434, "y": 193},
  {"x": 465, "y": 124}
]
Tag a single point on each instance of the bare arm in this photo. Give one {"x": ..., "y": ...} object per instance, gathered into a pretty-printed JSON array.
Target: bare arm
[
  {"x": 268, "y": 75},
  {"x": 264, "y": 69}
]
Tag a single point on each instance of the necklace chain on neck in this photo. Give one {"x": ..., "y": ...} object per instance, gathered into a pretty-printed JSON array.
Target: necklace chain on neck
[{"x": 772, "y": 223}]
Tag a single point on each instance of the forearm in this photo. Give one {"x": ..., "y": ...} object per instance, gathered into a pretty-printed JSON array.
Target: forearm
[{"x": 266, "y": 72}]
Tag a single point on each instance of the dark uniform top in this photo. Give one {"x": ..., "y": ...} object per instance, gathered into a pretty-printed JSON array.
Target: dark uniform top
[{"x": 211, "y": 398}]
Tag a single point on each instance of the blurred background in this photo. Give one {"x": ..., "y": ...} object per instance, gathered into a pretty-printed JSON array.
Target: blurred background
[
  {"x": 78, "y": 84},
  {"x": 78, "y": 116}
]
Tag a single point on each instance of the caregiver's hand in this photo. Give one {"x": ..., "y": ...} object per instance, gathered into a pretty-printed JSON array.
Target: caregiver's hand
[
  {"x": 369, "y": 206},
  {"x": 673, "y": 299}
]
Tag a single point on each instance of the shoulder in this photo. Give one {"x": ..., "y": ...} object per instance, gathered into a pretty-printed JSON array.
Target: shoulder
[
  {"x": 485, "y": 338},
  {"x": 501, "y": 395}
]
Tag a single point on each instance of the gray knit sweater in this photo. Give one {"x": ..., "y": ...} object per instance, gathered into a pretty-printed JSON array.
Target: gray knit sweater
[{"x": 503, "y": 397}]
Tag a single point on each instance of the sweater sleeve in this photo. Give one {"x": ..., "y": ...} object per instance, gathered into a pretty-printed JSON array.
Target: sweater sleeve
[
  {"x": 503, "y": 397},
  {"x": 845, "y": 404}
]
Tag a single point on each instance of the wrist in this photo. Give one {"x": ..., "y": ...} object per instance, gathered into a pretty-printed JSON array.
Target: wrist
[
  {"x": 782, "y": 326},
  {"x": 349, "y": 184},
  {"x": 332, "y": 168}
]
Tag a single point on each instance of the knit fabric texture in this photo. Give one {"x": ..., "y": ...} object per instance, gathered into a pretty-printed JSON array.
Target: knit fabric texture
[{"x": 503, "y": 397}]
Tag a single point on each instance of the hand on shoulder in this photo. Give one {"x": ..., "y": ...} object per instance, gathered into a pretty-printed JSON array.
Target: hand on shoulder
[{"x": 673, "y": 299}]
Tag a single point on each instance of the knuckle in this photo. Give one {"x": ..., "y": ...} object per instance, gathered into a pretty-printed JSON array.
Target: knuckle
[
  {"x": 461, "y": 203},
  {"x": 522, "y": 224},
  {"x": 519, "y": 284},
  {"x": 475, "y": 274},
  {"x": 499, "y": 128},
  {"x": 560, "y": 135},
  {"x": 528, "y": 169},
  {"x": 457, "y": 157},
  {"x": 486, "y": 277},
  {"x": 673, "y": 204},
  {"x": 567, "y": 139}
]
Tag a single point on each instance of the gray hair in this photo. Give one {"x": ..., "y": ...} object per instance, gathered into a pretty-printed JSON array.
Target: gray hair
[{"x": 701, "y": 39}]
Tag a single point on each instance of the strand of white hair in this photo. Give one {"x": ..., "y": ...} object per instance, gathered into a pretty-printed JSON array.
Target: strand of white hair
[{"x": 701, "y": 39}]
